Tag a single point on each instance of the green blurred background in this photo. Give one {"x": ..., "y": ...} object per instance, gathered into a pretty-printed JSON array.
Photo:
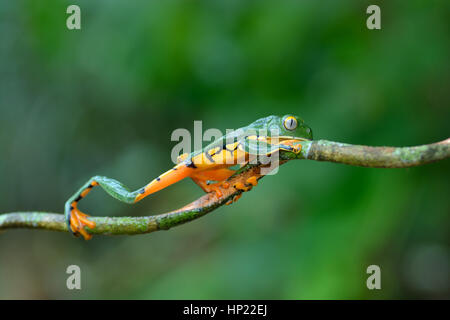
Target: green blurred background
[{"x": 105, "y": 99}]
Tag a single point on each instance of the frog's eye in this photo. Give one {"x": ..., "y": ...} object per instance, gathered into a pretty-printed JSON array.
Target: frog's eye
[{"x": 290, "y": 123}]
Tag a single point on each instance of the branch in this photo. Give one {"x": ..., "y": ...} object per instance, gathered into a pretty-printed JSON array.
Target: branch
[
  {"x": 321, "y": 150},
  {"x": 134, "y": 225},
  {"x": 374, "y": 157}
]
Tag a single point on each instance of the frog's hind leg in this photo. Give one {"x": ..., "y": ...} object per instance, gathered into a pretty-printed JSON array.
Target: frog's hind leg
[
  {"x": 77, "y": 220},
  {"x": 201, "y": 179},
  {"x": 177, "y": 173}
]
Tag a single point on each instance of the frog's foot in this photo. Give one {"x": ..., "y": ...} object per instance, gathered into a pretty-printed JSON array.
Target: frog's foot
[
  {"x": 253, "y": 181},
  {"x": 216, "y": 187},
  {"x": 79, "y": 220},
  {"x": 242, "y": 187},
  {"x": 297, "y": 148},
  {"x": 234, "y": 199},
  {"x": 292, "y": 146},
  {"x": 248, "y": 185}
]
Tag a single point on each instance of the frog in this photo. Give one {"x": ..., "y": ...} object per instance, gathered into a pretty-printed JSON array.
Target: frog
[{"x": 209, "y": 167}]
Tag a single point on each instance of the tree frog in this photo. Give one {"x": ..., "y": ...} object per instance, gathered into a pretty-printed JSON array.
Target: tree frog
[{"x": 212, "y": 163}]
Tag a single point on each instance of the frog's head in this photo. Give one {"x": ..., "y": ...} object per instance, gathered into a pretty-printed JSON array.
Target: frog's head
[{"x": 288, "y": 127}]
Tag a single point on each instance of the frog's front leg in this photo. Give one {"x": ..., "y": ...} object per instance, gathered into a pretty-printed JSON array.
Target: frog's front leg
[
  {"x": 257, "y": 149},
  {"x": 290, "y": 145}
]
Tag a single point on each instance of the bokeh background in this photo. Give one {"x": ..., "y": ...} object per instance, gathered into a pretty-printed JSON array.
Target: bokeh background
[{"x": 105, "y": 99}]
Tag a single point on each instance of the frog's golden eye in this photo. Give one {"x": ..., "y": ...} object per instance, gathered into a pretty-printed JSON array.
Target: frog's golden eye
[{"x": 290, "y": 123}]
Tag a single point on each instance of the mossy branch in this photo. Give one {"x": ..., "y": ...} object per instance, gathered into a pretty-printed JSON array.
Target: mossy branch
[
  {"x": 321, "y": 150},
  {"x": 374, "y": 157}
]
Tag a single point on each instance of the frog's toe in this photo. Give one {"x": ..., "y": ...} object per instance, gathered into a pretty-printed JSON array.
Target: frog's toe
[
  {"x": 237, "y": 197},
  {"x": 297, "y": 148},
  {"x": 78, "y": 222},
  {"x": 253, "y": 181},
  {"x": 242, "y": 187},
  {"x": 216, "y": 189}
]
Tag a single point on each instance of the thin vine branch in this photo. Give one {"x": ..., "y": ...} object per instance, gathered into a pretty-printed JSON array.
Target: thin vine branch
[
  {"x": 320, "y": 150},
  {"x": 374, "y": 157}
]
